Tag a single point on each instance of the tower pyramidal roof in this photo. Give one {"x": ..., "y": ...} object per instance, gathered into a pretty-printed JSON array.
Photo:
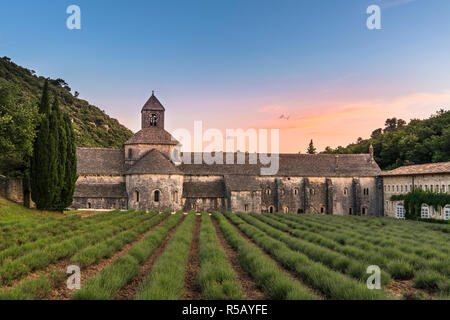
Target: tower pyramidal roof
[{"x": 153, "y": 104}]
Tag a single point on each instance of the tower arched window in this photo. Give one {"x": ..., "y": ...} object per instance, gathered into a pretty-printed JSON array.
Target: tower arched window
[{"x": 153, "y": 119}]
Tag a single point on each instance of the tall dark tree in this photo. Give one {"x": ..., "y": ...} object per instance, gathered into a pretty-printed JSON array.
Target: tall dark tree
[
  {"x": 70, "y": 166},
  {"x": 42, "y": 167},
  {"x": 311, "y": 149}
]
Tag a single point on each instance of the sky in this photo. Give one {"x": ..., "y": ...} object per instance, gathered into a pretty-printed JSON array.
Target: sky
[{"x": 310, "y": 68}]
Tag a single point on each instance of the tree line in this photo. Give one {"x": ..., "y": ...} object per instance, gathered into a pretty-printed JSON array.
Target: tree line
[
  {"x": 399, "y": 144},
  {"x": 38, "y": 142}
]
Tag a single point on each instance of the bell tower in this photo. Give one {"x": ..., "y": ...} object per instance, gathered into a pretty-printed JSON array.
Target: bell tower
[{"x": 152, "y": 113}]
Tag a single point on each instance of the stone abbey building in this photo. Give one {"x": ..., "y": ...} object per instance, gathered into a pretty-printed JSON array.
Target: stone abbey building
[{"x": 143, "y": 176}]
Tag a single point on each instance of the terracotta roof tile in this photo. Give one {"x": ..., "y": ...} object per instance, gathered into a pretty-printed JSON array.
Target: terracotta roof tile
[
  {"x": 99, "y": 161},
  {"x": 429, "y": 168},
  {"x": 154, "y": 162},
  {"x": 152, "y": 135},
  {"x": 85, "y": 190}
]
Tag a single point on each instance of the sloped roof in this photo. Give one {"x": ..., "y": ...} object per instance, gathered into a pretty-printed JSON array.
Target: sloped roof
[
  {"x": 84, "y": 190},
  {"x": 242, "y": 183},
  {"x": 154, "y": 162},
  {"x": 100, "y": 161},
  {"x": 317, "y": 165},
  {"x": 153, "y": 104},
  {"x": 210, "y": 189},
  {"x": 152, "y": 135},
  {"x": 429, "y": 168}
]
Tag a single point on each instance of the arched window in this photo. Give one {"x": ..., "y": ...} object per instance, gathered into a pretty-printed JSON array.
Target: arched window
[
  {"x": 299, "y": 210},
  {"x": 282, "y": 192},
  {"x": 156, "y": 195},
  {"x": 175, "y": 196},
  {"x": 322, "y": 210},
  {"x": 296, "y": 191},
  {"x": 246, "y": 207},
  {"x": 424, "y": 213},
  {"x": 136, "y": 196},
  {"x": 268, "y": 191},
  {"x": 345, "y": 191},
  {"x": 286, "y": 210},
  {"x": 447, "y": 212},
  {"x": 311, "y": 191},
  {"x": 400, "y": 214},
  {"x": 130, "y": 153},
  {"x": 350, "y": 211},
  {"x": 363, "y": 211},
  {"x": 89, "y": 205},
  {"x": 271, "y": 209}
]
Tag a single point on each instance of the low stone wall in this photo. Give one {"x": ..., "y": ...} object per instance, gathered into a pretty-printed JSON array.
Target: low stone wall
[{"x": 16, "y": 190}]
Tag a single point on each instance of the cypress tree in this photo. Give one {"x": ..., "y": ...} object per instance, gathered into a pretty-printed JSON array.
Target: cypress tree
[
  {"x": 58, "y": 161},
  {"x": 42, "y": 184},
  {"x": 70, "y": 175},
  {"x": 54, "y": 163}
]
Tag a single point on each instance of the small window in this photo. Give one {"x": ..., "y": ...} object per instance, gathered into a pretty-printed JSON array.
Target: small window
[
  {"x": 424, "y": 213},
  {"x": 322, "y": 210},
  {"x": 397, "y": 188},
  {"x": 431, "y": 188},
  {"x": 311, "y": 191},
  {"x": 268, "y": 191},
  {"x": 89, "y": 205},
  {"x": 437, "y": 188},
  {"x": 282, "y": 192},
  {"x": 175, "y": 196},
  {"x": 426, "y": 187},
  {"x": 246, "y": 208},
  {"x": 443, "y": 188},
  {"x": 400, "y": 214},
  {"x": 350, "y": 211},
  {"x": 136, "y": 196},
  {"x": 271, "y": 209},
  {"x": 363, "y": 211},
  {"x": 130, "y": 153},
  {"x": 286, "y": 210},
  {"x": 296, "y": 191},
  {"x": 299, "y": 210},
  {"x": 389, "y": 188},
  {"x": 346, "y": 191},
  {"x": 156, "y": 195}
]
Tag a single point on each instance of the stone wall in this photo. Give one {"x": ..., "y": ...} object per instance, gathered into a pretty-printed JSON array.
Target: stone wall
[
  {"x": 245, "y": 201},
  {"x": 99, "y": 203},
  {"x": 395, "y": 185},
  {"x": 146, "y": 185},
  {"x": 204, "y": 204}
]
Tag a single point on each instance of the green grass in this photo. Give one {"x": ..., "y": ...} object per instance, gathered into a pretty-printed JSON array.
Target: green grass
[
  {"x": 332, "y": 284},
  {"x": 106, "y": 284},
  {"x": 216, "y": 278},
  {"x": 166, "y": 279},
  {"x": 276, "y": 284}
]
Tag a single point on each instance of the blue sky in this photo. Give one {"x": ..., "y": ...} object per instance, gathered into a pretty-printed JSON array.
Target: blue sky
[{"x": 244, "y": 63}]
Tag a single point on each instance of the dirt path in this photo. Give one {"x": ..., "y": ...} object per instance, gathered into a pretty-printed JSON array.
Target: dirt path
[
  {"x": 192, "y": 290},
  {"x": 61, "y": 292},
  {"x": 404, "y": 289},
  {"x": 249, "y": 286},
  {"x": 289, "y": 273},
  {"x": 128, "y": 292}
]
